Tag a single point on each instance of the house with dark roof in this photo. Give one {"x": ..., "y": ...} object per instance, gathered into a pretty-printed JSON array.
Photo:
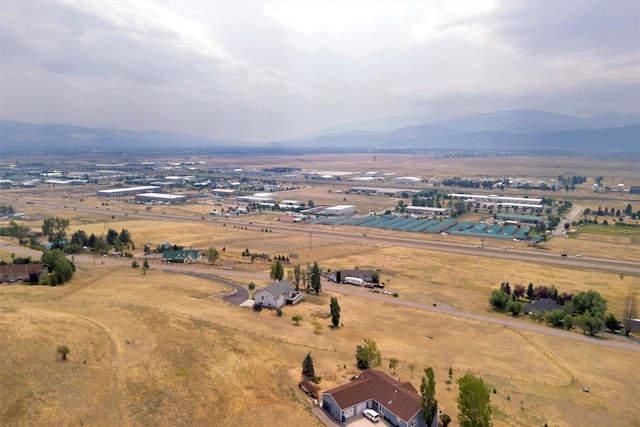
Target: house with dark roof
[
  {"x": 32, "y": 272},
  {"x": 398, "y": 402},
  {"x": 185, "y": 256},
  {"x": 542, "y": 304},
  {"x": 277, "y": 294}
]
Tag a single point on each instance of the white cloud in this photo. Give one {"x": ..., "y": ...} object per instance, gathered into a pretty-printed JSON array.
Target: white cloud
[{"x": 269, "y": 70}]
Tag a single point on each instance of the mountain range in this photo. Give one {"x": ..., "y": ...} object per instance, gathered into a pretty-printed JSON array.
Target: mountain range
[{"x": 512, "y": 130}]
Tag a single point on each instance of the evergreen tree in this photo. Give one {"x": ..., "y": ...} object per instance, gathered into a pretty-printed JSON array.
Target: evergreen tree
[
  {"x": 335, "y": 312},
  {"x": 531, "y": 292},
  {"x": 428, "y": 392},
  {"x": 307, "y": 367},
  {"x": 316, "y": 282}
]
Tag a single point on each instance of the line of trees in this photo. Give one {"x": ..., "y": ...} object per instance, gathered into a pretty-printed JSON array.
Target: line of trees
[{"x": 586, "y": 310}]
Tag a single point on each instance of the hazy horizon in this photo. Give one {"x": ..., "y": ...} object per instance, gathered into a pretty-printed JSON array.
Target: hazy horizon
[{"x": 278, "y": 70}]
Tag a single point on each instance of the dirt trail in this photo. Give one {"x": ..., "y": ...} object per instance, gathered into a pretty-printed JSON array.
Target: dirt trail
[{"x": 119, "y": 390}]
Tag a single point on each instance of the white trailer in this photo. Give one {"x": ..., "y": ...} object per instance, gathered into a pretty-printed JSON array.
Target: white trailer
[{"x": 354, "y": 281}]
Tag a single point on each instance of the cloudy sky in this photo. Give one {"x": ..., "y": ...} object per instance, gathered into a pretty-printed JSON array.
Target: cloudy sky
[{"x": 274, "y": 70}]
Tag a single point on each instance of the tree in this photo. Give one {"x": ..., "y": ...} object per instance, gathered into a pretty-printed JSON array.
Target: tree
[
  {"x": 555, "y": 317},
  {"x": 629, "y": 312},
  {"x": 612, "y": 323},
  {"x": 514, "y": 307},
  {"x": 393, "y": 364},
  {"x": 297, "y": 318},
  {"x": 412, "y": 368},
  {"x": 16, "y": 231},
  {"x": 63, "y": 350},
  {"x": 134, "y": 264},
  {"x": 628, "y": 210},
  {"x": 125, "y": 237},
  {"x": 145, "y": 266},
  {"x": 307, "y": 367},
  {"x": 316, "y": 280},
  {"x": 297, "y": 275},
  {"x": 589, "y": 323},
  {"x": 590, "y": 301},
  {"x": 60, "y": 268},
  {"x": 317, "y": 327},
  {"x": 498, "y": 299},
  {"x": 113, "y": 238},
  {"x": 212, "y": 255},
  {"x": 277, "y": 272},
  {"x": 531, "y": 292},
  {"x": 428, "y": 392},
  {"x": 445, "y": 419},
  {"x": 55, "y": 229},
  {"x": 518, "y": 291},
  {"x": 367, "y": 355},
  {"x": 473, "y": 402},
  {"x": 335, "y": 312}
]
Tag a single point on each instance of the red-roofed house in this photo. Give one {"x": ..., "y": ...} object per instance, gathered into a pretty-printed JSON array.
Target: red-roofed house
[
  {"x": 398, "y": 402},
  {"x": 23, "y": 272}
]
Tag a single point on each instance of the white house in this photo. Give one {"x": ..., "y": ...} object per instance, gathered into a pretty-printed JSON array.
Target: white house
[{"x": 274, "y": 295}]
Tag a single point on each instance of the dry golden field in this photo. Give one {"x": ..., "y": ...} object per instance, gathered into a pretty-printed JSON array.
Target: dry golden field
[{"x": 164, "y": 349}]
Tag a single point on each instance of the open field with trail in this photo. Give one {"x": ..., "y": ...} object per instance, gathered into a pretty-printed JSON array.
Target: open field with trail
[{"x": 163, "y": 348}]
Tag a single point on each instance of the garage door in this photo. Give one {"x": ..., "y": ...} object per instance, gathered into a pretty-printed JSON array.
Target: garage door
[
  {"x": 361, "y": 407},
  {"x": 348, "y": 413}
]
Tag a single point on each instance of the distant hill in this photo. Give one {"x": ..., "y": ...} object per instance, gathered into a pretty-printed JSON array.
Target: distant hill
[
  {"x": 16, "y": 137},
  {"x": 519, "y": 130},
  {"x": 503, "y": 130}
]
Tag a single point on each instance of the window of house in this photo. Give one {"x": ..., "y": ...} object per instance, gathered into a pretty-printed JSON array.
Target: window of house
[{"x": 414, "y": 422}]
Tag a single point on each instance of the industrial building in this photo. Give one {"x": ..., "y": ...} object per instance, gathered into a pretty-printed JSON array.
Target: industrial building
[
  {"x": 427, "y": 211},
  {"x": 130, "y": 191},
  {"x": 520, "y": 202},
  {"x": 408, "y": 180},
  {"x": 340, "y": 210},
  {"x": 161, "y": 198}
]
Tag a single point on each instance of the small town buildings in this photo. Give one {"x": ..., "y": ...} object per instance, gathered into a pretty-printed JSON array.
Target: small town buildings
[
  {"x": 277, "y": 295},
  {"x": 185, "y": 256},
  {"x": 32, "y": 272},
  {"x": 398, "y": 402},
  {"x": 634, "y": 189}
]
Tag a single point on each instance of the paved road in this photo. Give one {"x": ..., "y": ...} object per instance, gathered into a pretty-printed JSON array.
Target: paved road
[{"x": 571, "y": 216}]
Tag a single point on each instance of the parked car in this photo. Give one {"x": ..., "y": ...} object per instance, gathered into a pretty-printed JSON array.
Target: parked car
[{"x": 371, "y": 415}]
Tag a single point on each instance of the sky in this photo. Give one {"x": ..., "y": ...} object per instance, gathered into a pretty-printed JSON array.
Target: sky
[{"x": 265, "y": 71}]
